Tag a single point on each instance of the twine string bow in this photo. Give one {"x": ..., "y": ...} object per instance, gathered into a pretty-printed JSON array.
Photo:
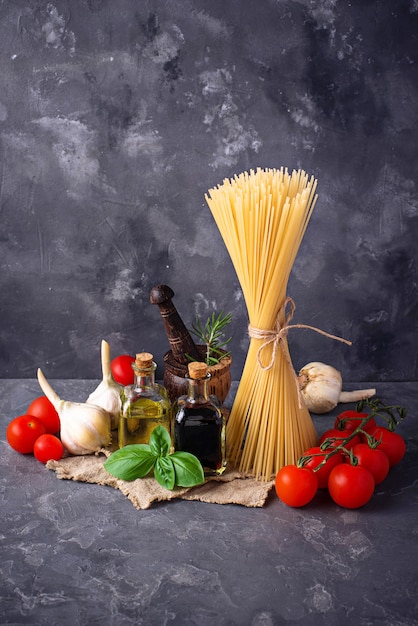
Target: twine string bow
[{"x": 277, "y": 335}]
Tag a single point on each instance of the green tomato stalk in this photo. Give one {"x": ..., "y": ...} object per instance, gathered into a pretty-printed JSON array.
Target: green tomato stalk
[{"x": 391, "y": 414}]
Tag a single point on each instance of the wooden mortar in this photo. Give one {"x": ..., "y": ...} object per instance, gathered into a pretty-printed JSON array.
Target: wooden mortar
[{"x": 177, "y": 384}]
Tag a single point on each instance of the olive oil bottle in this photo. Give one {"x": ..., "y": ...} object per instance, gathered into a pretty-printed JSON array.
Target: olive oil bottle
[
  {"x": 145, "y": 404},
  {"x": 199, "y": 424}
]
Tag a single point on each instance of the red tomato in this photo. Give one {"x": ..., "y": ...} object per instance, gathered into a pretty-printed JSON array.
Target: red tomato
[
  {"x": 23, "y": 431},
  {"x": 296, "y": 486},
  {"x": 374, "y": 459},
  {"x": 48, "y": 447},
  {"x": 323, "y": 472},
  {"x": 350, "y": 420},
  {"x": 44, "y": 410},
  {"x": 122, "y": 371},
  {"x": 339, "y": 436},
  {"x": 351, "y": 486},
  {"x": 392, "y": 444}
]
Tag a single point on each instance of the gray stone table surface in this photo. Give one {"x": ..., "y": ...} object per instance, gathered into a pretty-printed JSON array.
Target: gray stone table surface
[{"x": 75, "y": 553}]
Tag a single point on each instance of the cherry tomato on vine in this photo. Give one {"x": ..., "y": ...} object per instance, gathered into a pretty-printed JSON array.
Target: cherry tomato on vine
[
  {"x": 350, "y": 420},
  {"x": 323, "y": 473},
  {"x": 44, "y": 410},
  {"x": 339, "y": 436},
  {"x": 374, "y": 459},
  {"x": 48, "y": 447},
  {"x": 23, "y": 431},
  {"x": 121, "y": 368},
  {"x": 392, "y": 444},
  {"x": 350, "y": 486},
  {"x": 296, "y": 486}
]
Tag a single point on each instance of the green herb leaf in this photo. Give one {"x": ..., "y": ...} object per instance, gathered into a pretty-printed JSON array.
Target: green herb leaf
[
  {"x": 137, "y": 460},
  {"x": 131, "y": 462},
  {"x": 164, "y": 472},
  {"x": 188, "y": 469},
  {"x": 211, "y": 334},
  {"x": 160, "y": 441}
]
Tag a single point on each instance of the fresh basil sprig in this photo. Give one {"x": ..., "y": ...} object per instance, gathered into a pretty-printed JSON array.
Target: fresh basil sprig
[{"x": 180, "y": 469}]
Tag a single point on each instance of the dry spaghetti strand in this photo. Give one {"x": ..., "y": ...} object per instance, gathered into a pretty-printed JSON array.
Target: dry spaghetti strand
[{"x": 262, "y": 216}]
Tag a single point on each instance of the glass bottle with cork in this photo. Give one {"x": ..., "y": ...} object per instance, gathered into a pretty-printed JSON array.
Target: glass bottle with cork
[
  {"x": 145, "y": 404},
  {"x": 199, "y": 424}
]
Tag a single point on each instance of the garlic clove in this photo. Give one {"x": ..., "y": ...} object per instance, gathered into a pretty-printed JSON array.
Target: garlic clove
[
  {"x": 107, "y": 394},
  {"x": 85, "y": 428}
]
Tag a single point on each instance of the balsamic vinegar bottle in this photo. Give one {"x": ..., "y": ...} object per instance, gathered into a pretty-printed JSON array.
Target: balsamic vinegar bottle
[
  {"x": 199, "y": 424},
  {"x": 145, "y": 404}
]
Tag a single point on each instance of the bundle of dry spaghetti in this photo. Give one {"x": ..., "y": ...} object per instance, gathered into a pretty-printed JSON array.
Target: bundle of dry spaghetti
[{"x": 262, "y": 217}]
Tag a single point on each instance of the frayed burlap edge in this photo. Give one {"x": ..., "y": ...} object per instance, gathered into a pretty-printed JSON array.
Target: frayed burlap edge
[{"x": 232, "y": 487}]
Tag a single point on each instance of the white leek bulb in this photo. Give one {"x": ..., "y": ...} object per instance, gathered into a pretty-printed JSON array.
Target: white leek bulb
[
  {"x": 321, "y": 387},
  {"x": 107, "y": 394},
  {"x": 85, "y": 428}
]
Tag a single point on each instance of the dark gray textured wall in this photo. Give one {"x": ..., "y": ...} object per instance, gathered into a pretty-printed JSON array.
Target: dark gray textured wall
[{"x": 117, "y": 117}]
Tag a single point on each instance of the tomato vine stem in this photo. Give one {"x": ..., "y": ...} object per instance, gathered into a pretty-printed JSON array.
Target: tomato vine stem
[{"x": 377, "y": 409}]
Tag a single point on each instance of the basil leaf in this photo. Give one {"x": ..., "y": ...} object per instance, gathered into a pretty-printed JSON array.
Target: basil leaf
[
  {"x": 189, "y": 471},
  {"x": 131, "y": 462},
  {"x": 164, "y": 472},
  {"x": 160, "y": 441}
]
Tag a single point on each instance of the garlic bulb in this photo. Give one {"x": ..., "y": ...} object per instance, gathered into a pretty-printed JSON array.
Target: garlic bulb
[
  {"x": 321, "y": 387},
  {"x": 85, "y": 428},
  {"x": 107, "y": 394}
]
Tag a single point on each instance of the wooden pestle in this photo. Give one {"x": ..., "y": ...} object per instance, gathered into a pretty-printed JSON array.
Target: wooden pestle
[{"x": 180, "y": 340}]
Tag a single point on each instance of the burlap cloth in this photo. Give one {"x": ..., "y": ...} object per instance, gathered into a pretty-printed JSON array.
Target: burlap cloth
[{"x": 232, "y": 487}]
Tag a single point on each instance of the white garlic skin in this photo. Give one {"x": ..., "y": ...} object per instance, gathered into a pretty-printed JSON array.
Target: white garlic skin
[
  {"x": 107, "y": 394},
  {"x": 320, "y": 385},
  {"x": 108, "y": 398},
  {"x": 85, "y": 428}
]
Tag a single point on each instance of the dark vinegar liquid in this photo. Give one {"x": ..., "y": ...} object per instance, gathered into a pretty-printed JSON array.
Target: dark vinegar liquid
[{"x": 199, "y": 430}]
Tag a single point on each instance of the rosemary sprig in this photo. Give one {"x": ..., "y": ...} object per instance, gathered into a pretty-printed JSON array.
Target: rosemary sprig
[{"x": 211, "y": 334}]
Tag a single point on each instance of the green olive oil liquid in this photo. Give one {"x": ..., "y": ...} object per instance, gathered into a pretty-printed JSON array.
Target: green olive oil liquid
[
  {"x": 139, "y": 418},
  {"x": 145, "y": 404}
]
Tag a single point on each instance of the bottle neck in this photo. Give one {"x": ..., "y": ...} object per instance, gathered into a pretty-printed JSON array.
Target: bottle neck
[
  {"x": 198, "y": 390},
  {"x": 144, "y": 379}
]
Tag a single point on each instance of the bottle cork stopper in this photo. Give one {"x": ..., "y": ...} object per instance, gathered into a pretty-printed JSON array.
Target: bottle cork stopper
[
  {"x": 197, "y": 370},
  {"x": 144, "y": 360}
]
